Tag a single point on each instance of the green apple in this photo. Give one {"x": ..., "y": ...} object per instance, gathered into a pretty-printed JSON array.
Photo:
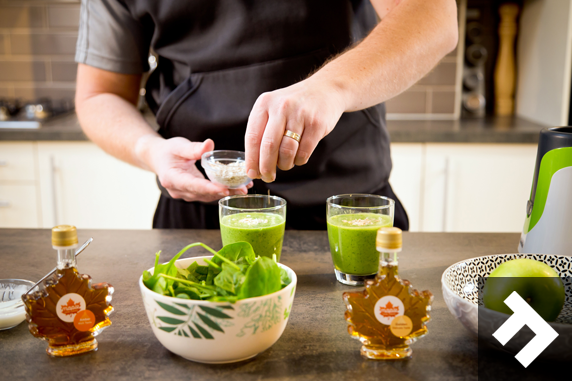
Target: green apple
[{"x": 534, "y": 281}]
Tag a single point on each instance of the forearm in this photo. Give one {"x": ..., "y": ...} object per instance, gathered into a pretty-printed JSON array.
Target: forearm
[
  {"x": 401, "y": 49},
  {"x": 116, "y": 126}
]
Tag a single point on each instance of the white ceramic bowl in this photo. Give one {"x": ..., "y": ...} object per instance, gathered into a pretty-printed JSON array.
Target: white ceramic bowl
[
  {"x": 460, "y": 285},
  {"x": 12, "y": 309},
  {"x": 218, "y": 332}
]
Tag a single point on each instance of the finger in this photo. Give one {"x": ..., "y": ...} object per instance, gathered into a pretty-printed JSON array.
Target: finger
[
  {"x": 270, "y": 145},
  {"x": 289, "y": 146},
  {"x": 188, "y": 184},
  {"x": 309, "y": 141},
  {"x": 238, "y": 191},
  {"x": 249, "y": 185},
  {"x": 191, "y": 150},
  {"x": 190, "y": 198},
  {"x": 242, "y": 189},
  {"x": 254, "y": 130}
]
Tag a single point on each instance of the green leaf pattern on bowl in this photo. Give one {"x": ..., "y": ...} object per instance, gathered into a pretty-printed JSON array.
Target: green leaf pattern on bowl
[
  {"x": 262, "y": 315},
  {"x": 289, "y": 309},
  {"x": 197, "y": 322}
]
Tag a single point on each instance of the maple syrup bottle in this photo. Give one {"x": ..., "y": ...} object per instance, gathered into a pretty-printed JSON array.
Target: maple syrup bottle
[
  {"x": 389, "y": 315},
  {"x": 68, "y": 311}
]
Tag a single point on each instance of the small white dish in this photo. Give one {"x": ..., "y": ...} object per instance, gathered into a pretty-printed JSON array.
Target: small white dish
[
  {"x": 226, "y": 168},
  {"x": 218, "y": 332},
  {"x": 12, "y": 309}
]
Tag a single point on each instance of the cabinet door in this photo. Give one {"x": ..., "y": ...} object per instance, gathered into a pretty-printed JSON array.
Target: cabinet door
[
  {"x": 477, "y": 187},
  {"x": 83, "y": 186},
  {"x": 406, "y": 178},
  {"x": 17, "y": 161},
  {"x": 18, "y": 206}
]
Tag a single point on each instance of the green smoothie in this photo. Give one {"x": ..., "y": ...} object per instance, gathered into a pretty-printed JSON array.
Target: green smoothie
[
  {"x": 352, "y": 241},
  {"x": 264, "y": 231}
]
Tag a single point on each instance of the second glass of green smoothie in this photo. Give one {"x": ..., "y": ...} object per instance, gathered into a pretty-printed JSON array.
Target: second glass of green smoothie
[
  {"x": 257, "y": 219},
  {"x": 353, "y": 221}
]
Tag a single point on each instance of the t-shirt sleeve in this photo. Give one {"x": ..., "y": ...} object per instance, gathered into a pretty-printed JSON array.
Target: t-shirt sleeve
[{"x": 110, "y": 38}]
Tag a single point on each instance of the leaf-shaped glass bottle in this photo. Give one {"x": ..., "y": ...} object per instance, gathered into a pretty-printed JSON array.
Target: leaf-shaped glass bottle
[
  {"x": 389, "y": 315},
  {"x": 68, "y": 311}
]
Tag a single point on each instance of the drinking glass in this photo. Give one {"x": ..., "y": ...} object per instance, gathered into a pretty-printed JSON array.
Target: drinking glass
[
  {"x": 254, "y": 218},
  {"x": 353, "y": 221}
]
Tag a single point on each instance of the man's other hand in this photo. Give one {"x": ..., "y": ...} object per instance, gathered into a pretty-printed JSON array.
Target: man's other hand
[{"x": 173, "y": 160}]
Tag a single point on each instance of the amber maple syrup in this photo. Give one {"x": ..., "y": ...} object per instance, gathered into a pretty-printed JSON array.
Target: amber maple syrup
[
  {"x": 68, "y": 311},
  {"x": 389, "y": 315}
]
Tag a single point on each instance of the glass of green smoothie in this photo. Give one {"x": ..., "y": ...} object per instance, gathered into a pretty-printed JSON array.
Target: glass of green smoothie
[
  {"x": 254, "y": 218},
  {"x": 353, "y": 221}
]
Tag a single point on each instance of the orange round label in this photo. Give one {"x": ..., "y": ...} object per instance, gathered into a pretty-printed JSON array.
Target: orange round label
[
  {"x": 84, "y": 320},
  {"x": 401, "y": 326}
]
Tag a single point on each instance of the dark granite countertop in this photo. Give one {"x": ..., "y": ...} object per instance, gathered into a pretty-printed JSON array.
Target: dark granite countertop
[
  {"x": 314, "y": 346},
  {"x": 489, "y": 130}
]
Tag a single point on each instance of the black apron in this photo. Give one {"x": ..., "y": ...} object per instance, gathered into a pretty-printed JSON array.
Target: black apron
[{"x": 217, "y": 56}]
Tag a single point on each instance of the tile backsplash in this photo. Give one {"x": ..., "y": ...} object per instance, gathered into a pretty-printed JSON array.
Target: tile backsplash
[
  {"x": 438, "y": 94},
  {"x": 37, "y": 47},
  {"x": 433, "y": 97}
]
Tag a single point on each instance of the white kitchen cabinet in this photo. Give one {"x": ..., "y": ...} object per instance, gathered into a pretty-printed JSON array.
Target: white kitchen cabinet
[
  {"x": 476, "y": 187},
  {"x": 444, "y": 187},
  {"x": 18, "y": 206},
  {"x": 19, "y": 196},
  {"x": 407, "y": 177},
  {"x": 83, "y": 186},
  {"x": 17, "y": 161}
]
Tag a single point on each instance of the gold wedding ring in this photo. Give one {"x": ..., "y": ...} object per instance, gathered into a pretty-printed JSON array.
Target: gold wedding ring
[{"x": 292, "y": 135}]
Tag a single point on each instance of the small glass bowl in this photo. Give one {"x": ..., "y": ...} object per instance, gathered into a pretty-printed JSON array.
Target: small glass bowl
[
  {"x": 226, "y": 168},
  {"x": 12, "y": 311}
]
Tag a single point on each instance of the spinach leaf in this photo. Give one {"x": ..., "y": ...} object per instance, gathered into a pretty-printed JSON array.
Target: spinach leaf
[
  {"x": 262, "y": 278},
  {"x": 189, "y": 291},
  {"x": 284, "y": 278},
  {"x": 232, "y": 274},
  {"x": 168, "y": 268},
  {"x": 160, "y": 287},
  {"x": 193, "y": 267},
  {"x": 236, "y": 251},
  {"x": 230, "y": 279}
]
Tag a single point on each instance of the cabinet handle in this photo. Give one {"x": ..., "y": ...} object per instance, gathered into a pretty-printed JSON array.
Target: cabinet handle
[
  {"x": 5, "y": 204},
  {"x": 445, "y": 194},
  {"x": 54, "y": 196},
  {"x": 3, "y": 163}
]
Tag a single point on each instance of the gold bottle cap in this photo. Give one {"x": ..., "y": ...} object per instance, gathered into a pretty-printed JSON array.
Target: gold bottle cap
[
  {"x": 389, "y": 238},
  {"x": 64, "y": 235}
]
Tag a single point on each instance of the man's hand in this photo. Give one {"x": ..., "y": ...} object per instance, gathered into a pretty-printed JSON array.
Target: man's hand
[
  {"x": 173, "y": 160},
  {"x": 309, "y": 108},
  {"x": 409, "y": 41}
]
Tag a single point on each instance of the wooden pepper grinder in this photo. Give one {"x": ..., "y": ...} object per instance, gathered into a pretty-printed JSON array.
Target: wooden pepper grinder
[{"x": 505, "y": 71}]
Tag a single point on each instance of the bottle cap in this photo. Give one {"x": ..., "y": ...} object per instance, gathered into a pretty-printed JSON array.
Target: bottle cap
[
  {"x": 64, "y": 235},
  {"x": 389, "y": 238}
]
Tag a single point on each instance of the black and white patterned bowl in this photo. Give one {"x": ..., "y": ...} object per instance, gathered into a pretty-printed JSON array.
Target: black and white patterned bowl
[{"x": 460, "y": 285}]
